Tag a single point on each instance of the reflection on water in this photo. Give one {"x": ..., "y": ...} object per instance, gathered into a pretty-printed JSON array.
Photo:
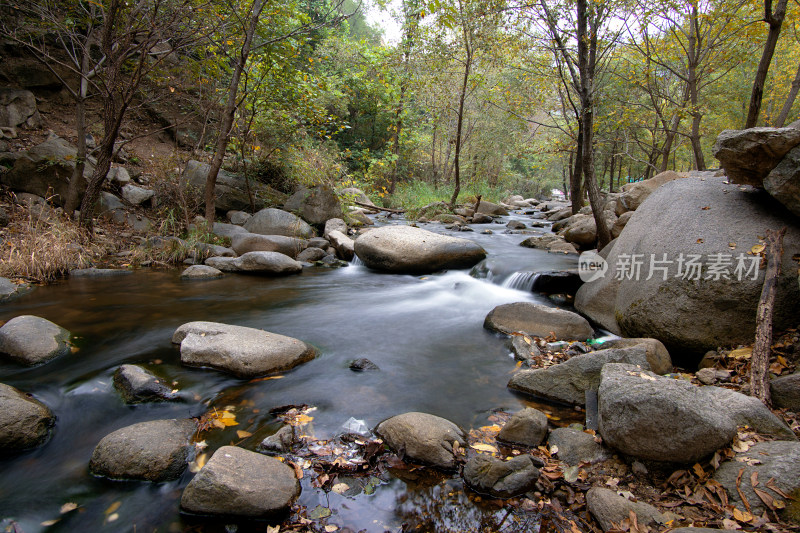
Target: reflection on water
[{"x": 425, "y": 333}]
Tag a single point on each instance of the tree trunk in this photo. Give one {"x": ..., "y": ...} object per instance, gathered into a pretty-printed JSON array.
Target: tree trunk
[
  {"x": 76, "y": 183},
  {"x": 229, "y": 113},
  {"x": 775, "y": 21},
  {"x": 576, "y": 178},
  {"x": 787, "y": 105},
  {"x": 693, "y": 61},
  {"x": 759, "y": 364},
  {"x": 613, "y": 164},
  {"x": 462, "y": 98},
  {"x": 434, "y": 170}
]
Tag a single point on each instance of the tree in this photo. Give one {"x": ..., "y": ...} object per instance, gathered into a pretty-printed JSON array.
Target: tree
[{"x": 775, "y": 21}]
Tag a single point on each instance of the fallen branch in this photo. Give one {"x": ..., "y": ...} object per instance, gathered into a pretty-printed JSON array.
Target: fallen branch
[
  {"x": 378, "y": 209},
  {"x": 759, "y": 364}
]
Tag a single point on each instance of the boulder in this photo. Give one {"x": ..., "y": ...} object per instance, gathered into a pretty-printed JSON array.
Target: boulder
[
  {"x": 137, "y": 385},
  {"x": 610, "y": 510},
  {"x": 703, "y": 217},
  {"x": 540, "y": 242},
  {"x": 135, "y": 195},
  {"x": 568, "y": 382},
  {"x": 657, "y": 354},
  {"x": 619, "y": 225},
  {"x": 201, "y": 272},
  {"x": 574, "y": 447},
  {"x": 118, "y": 176},
  {"x": 670, "y": 420},
  {"x": 501, "y": 479},
  {"x": 231, "y": 190},
  {"x": 25, "y": 422},
  {"x": 783, "y": 181},
  {"x": 351, "y": 194},
  {"x": 10, "y": 290},
  {"x": 238, "y": 482},
  {"x": 335, "y": 224},
  {"x": 537, "y": 320},
  {"x": 778, "y": 460},
  {"x": 243, "y": 352},
  {"x": 423, "y": 437},
  {"x": 316, "y": 206},
  {"x": 311, "y": 254},
  {"x": 583, "y": 229},
  {"x": 243, "y": 243},
  {"x": 267, "y": 263},
  {"x": 362, "y": 364},
  {"x": 238, "y": 218},
  {"x": 749, "y": 155},
  {"x": 405, "y": 249},
  {"x": 526, "y": 428},
  {"x": 45, "y": 170},
  {"x": 494, "y": 210},
  {"x": 786, "y": 392},
  {"x": 157, "y": 450},
  {"x": 93, "y": 272},
  {"x": 516, "y": 224},
  {"x": 279, "y": 442},
  {"x": 344, "y": 245},
  {"x": 561, "y": 214},
  {"x": 205, "y": 250},
  {"x": 18, "y": 108},
  {"x": 634, "y": 194},
  {"x": 32, "y": 340},
  {"x": 273, "y": 221},
  {"x": 481, "y": 218}
]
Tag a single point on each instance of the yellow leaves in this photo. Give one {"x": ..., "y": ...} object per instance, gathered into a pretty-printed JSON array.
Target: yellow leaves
[
  {"x": 68, "y": 507},
  {"x": 741, "y": 354},
  {"x": 757, "y": 249},
  {"x": 484, "y": 448},
  {"x": 198, "y": 464},
  {"x": 242, "y": 434}
]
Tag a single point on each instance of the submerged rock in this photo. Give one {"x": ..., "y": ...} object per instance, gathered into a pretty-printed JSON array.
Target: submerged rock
[
  {"x": 10, "y": 290},
  {"x": 502, "y": 479},
  {"x": 137, "y": 385},
  {"x": 157, "y": 450},
  {"x": 268, "y": 263},
  {"x": 423, "y": 437},
  {"x": 363, "y": 364},
  {"x": 25, "y": 422},
  {"x": 32, "y": 340},
  {"x": 201, "y": 272},
  {"x": 238, "y": 482},
  {"x": 538, "y": 320},
  {"x": 243, "y": 352},
  {"x": 405, "y": 249}
]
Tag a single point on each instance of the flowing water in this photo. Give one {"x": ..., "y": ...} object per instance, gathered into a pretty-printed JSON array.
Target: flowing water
[{"x": 424, "y": 332}]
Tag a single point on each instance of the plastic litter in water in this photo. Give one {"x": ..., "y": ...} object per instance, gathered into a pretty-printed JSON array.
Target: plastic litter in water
[{"x": 354, "y": 425}]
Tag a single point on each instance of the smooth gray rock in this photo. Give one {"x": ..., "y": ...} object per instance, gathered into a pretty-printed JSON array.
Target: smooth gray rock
[
  {"x": 243, "y": 352},
  {"x": 10, "y": 290},
  {"x": 786, "y": 391},
  {"x": 778, "y": 459},
  {"x": 657, "y": 354},
  {"x": 362, "y": 364},
  {"x": 351, "y": 194},
  {"x": 238, "y": 218},
  {"x": 634, "y": 194},
  {"x": 749, "y": 155},
  {"x": 136, "y": 195},
  {"x": 576, "y": 447},
  {"x": 18, "y": 108},
  {"x": 344, "y": 245},
  {"x": 99, "y": 272},
  {"x": 783, "y": 182},
  {"x": 501, "y": 479},
  {"x": 273, "y": 221},
  {"x": 25, "y": 422},
  {"x": 527, "y": 428},
  {"x": 670, "y": 420},
  {"x": 45, "y": 170},
  {"x": 268, "y": 263},
  {"x": 315, "y": 206},
  {"x": 32, "y": 340},
  {"x": 319, "y": 242},
  {"x": 524, "y": 351},
  {"x": 230, "y": 231},
  {"x": 610, "y": 509},
  {"x": 423, "y": 437},
  {"x": 108, "y": 202},
  {"x": 253, "y": 242},
  {"x": 703, "y": 217},
  {"x": 311, "y": 254},
  {"x": 405, "y": 249},
  {"x": 279, "y": 442},
  {"x": 238, "y": 482},
  {"x": 201, "y": 272},
  {"x": 334, "y": 224},
  {"x": 118, "y": 176},
  {"x": 515, "y": 224},
  {"x": 231, "y": 190},
  {"x": 137, "y": 385},
  {"x": 567, "y": 382},
  {"x": 491, "y": 209},
  {"x": 620, "y": 224},
  {"x": 157, "y": 450},
  {"x": 537, "y": 320}
]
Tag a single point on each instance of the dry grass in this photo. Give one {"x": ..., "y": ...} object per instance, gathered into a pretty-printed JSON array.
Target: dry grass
[{"x": 41, "y": 245}]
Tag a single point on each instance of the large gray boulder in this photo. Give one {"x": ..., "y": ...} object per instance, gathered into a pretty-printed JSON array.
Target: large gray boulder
[
  {"x": 137, "y": 385},
  {"x": 650, "y": 417},
  {"x": 537, "y": 320},
  {"x": 779, "y": 460},
  {"x": 610, "y": 509},
  {"x": 423, "y": 437},
  {"x": 334, "y": 224},
  {"x": 783, "y": 182},
  {"x": 634, "y": 194},
  {"x": 749, "y": 155},
  {"x": 238, "y": 482},
  {"x": 267, "y": 263},
  {"x": 315, "y": 206},
  {"x": 351, "y": 194},
  {"x": 32, "y": 340},
  {"x": 25, "y": 422},
  {"x": 230, "y": 189},
  {"x": 691, "y": 316},
  {"x": 344, "y": 245},
  {"x": 135, "y": 195},
  {"x": 568, "y": 382},
  {"x": 157, "y": 450},
  {"x": 243, "y": 352},
  {"x": 18, "y": 108},
  {"x": 785, "y": 391},
  {"x": 273, "y": 221},
  {"x": 488, "y": 208},
  {"x": 527, "y": 428},
  {"x": 501, "y": 479},
  {"x": 409, "y": 250},
  {"x": 45, "y": 170},
  {"x": 243, "y": 243}
]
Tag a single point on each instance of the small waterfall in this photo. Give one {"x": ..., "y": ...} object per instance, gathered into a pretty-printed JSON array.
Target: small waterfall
[
  {"x": 522, "y": 281},
  {"x": 356, "y": 261}
]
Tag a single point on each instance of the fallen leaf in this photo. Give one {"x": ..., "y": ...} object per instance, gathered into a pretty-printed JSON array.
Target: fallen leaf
[
  {"x": 741, "y": 516},
  {"x": 330, "y": 528},
  {"x": 112, "y": 517},
  {"x": 273, "y": 529},
  {"x": 242, "y": 434},
  {"x": 67, "y": 507},
  {"x": 758, "y": 248},
  {"x": 319, "y": 512},
  {"x": 727, "y": 523},
  {"x": 698, "y": 470},
  {"x": 48, "y": 523},
  {"x": 113, "y": 507},
  {"x": 699, "y": 241},
  {"x": 484, "y": 448},
  {"x": 741, "y": 353},
  {"x": 740, "y": 446},
  {"x": 340, "y": 488}
]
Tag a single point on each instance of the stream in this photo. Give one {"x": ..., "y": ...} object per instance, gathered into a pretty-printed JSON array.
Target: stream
[{"x": 425, "y": 333}]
